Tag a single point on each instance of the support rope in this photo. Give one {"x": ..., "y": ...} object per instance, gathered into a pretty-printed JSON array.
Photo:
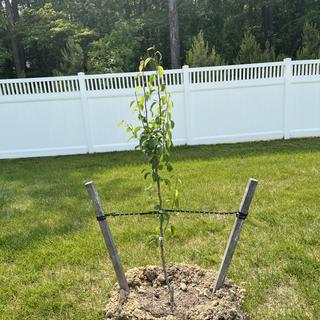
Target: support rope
[{"x": 117, "y": 214}]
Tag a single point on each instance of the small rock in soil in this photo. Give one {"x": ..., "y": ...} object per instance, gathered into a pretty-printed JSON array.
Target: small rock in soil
[
  {"x": 149, "y": 298},
  {"x": 183, "y": 286},
  {"x": 161, "y": 279}
]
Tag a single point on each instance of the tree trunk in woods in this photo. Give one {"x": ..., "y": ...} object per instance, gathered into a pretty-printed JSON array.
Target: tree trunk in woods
[
  {"x": 174, "y": 35},
  {"x": 15, "y": 11},
  {"x": 12, "y": 16},
  {"x": 266, "y": 13}
]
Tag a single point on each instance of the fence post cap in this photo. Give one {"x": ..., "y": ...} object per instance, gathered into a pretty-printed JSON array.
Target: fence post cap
[
  {"x": 185, "y": 66},
  {"x": 81, "y": 73},
  {"x": 287, "y": 59}
]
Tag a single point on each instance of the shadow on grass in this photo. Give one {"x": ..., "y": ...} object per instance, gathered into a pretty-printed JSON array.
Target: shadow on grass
[
  {"x": 102, "y": 161},
  {"x": 105, "y": 161},
  {"x": 246, "y": 149},
  {"x": 19, "y": 239}
]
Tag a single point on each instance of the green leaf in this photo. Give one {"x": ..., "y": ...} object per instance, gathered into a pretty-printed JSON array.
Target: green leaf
[
  {"x": 132, "y": 103},
  {"x": 176, "y": 199},
  {"x": 146, "y": 175},
  {"x": 141, "y": 65},
  {"x": 152, "y": 78},
  {"x": 173, "y": 230},
  {"x": 147, "y": 61},
  {"x": 160, "y": 71},
  {"x": 167, "y": 182},
  {"x": 158, "y": 53},
  {"x": 138, "y": 88},
  {"x": 141, "y": 100},
  {"x": 120, "y": 123},
  {"x": 137, "y": 129}
]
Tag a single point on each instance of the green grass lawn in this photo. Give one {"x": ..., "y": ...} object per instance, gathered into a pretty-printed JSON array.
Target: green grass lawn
[{"x": 53, "y": 263}]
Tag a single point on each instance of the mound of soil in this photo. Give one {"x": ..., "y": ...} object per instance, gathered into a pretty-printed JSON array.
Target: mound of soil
[{"x": 194, "y": 300}]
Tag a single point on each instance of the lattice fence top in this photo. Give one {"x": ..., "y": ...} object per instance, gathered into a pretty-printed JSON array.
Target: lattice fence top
[{"x": 175, "y": 78}]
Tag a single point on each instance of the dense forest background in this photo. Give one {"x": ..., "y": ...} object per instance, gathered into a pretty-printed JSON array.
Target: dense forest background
[{"x": 62, "y": 37}]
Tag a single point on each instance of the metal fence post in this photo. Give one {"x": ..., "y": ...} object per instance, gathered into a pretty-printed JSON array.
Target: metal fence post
[
  {"x": 235, "y": 233},
  {"x": 107, "y": 235}
]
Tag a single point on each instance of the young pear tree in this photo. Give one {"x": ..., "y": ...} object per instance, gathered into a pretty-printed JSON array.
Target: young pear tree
[{"x": 153, "y": 107}]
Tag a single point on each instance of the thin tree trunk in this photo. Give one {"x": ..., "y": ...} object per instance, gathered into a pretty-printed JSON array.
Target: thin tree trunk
[
  {"x": 12, "y": 16},
  {"x": 266, "y": 13},
  {"x": 162, "y": 254},
  {"x": 174, "y": 35},
  {"x": 15, "y": 11}
]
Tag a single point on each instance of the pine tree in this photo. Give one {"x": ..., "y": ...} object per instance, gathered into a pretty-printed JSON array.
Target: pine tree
[
  {"x": 199, "y": 55},
  {"x": 251, "y": 51},
  {"x": 310, "y": 42},
  {"x": 72, "y": 59}
]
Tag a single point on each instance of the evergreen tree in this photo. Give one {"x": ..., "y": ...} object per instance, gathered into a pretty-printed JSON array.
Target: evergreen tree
[
  {"x": 269, "y": 53},
  {"x": 310, "y": 42},
  {"x": 72, "y": 59},
  {"x": 251, "y": 52},
  {"x": 199, "y": 55}
]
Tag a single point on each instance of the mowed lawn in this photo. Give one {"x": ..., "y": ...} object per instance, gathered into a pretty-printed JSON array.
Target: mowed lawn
[{"x": 53, "y": 262}]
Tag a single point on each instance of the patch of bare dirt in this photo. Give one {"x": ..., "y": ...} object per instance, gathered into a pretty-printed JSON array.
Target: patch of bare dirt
[{"x": 194, "y": 300}]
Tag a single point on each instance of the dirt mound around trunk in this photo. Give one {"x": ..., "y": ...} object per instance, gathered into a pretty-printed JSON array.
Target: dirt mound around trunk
[{"x": 149, "y": 298}]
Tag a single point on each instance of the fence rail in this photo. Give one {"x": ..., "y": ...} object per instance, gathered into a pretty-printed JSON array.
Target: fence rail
[{"x": 78, "y": 114}]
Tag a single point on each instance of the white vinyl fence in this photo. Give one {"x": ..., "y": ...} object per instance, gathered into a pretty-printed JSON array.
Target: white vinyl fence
[{"x": 79, "y": 114}]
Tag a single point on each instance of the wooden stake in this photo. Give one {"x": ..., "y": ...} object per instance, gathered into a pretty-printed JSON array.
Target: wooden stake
[
  {"x": 107, "y": 235},
  {"x": 235, "y": 233}
]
